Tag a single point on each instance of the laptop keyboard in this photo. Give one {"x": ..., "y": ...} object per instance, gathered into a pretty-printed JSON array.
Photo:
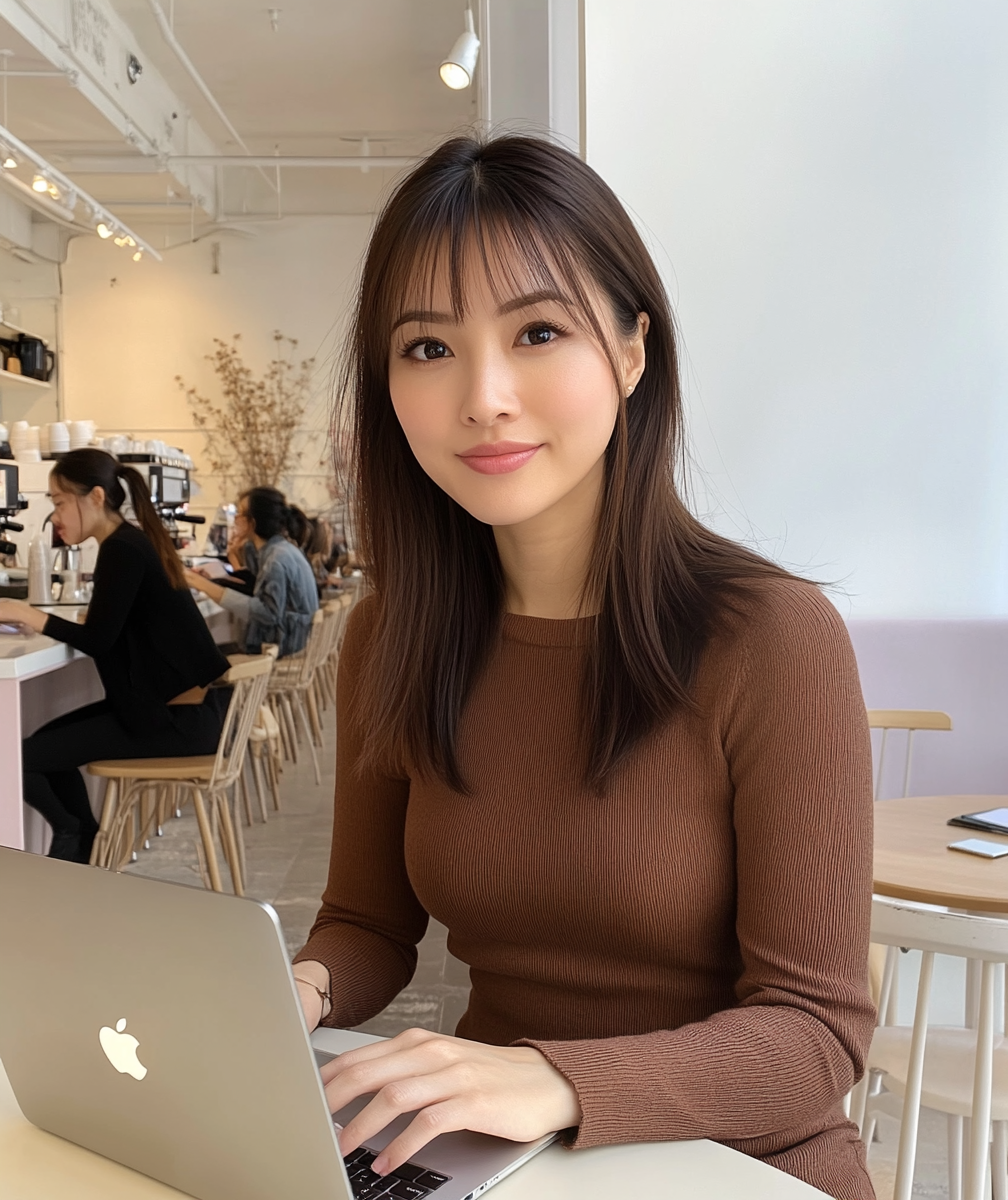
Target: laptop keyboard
[{"x": 404, "y": 1183}]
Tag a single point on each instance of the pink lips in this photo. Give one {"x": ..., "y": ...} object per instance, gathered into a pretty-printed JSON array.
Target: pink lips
[{"x": 498, "y": 458}]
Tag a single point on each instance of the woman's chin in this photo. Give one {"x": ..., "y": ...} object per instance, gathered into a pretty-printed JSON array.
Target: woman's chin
[{"x": 500, "y": 512}]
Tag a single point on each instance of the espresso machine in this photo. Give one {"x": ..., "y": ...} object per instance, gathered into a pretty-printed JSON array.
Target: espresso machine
[
  {"x": 12, "y": 504},
  {"x": 168, "y": 482}
]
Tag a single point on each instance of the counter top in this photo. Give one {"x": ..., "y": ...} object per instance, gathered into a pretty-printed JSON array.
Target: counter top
[{"x": 33, "y": 654}]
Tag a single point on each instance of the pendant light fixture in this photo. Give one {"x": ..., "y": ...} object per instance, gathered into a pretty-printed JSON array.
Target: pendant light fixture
[{"x": 459, "y": 67}]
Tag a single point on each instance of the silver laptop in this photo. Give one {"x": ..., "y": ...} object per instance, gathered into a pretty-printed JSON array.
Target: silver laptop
[{"x": 159, "y": 1025}]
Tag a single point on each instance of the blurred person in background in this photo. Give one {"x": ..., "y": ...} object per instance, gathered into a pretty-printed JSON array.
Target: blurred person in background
[{"x": 284, "y": 596}]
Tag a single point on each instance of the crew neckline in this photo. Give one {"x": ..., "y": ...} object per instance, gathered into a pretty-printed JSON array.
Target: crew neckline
[{"x": 547, "y": 631}]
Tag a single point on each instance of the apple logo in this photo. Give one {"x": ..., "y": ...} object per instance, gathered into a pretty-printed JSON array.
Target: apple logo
[{"x": 121, "y": 1049}]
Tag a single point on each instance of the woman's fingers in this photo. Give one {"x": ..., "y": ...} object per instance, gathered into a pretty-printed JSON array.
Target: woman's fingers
[
  {"x": 425, "y": 1126},
  {"x": 414, "y": 1094},
  {"x": 360, "y": 1078},
  {"x": 375, "y": 1051}
]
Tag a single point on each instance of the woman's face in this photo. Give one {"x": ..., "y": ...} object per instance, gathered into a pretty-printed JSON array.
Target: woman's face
[
  {"x": 510, "y": 410},
  {"x": 75, "y": 517}
]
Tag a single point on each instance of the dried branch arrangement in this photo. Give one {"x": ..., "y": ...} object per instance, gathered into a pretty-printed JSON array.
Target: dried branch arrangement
[{"x": 250, "y": 434}]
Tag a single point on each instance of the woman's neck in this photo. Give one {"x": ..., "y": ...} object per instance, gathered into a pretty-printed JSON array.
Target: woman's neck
[
  {"x": 546, "y": 559},
  {"x": 106, "y": 525}
]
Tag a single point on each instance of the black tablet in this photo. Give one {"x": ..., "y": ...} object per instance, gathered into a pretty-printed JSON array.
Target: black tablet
[{"x": 991, "y": 820}]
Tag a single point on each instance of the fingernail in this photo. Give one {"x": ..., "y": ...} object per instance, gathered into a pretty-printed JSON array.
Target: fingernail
[{"x": 379, "y": 1166}]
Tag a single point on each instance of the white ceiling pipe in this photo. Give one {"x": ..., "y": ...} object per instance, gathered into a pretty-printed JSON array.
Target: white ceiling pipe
[
  {"x": 322, "y": 161},
  {"x": 169, "y": 36},
  {"x": 151, "y": 164}
]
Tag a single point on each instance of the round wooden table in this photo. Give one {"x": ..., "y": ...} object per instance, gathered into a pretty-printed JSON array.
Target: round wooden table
[{"x": 913, "y": 861}]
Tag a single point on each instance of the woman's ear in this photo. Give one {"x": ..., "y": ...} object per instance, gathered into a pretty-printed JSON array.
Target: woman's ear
[
  {"x": 634, "y": 354},
  {"x": 97, "y": 497}
]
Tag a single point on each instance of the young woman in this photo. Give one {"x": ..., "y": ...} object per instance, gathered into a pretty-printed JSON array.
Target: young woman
[
  {"x": 284, "y": 597},
  {"x": 624, "y": 760},
  {"x": 153, "y": 651}
]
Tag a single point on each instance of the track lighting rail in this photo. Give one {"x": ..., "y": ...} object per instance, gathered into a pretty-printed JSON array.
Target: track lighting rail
[{"x": 67, "y": 195}]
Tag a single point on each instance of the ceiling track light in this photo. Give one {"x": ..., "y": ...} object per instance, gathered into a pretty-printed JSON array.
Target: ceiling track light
[
  {"x": 52, "y": 186},
  {"x": 459, "y": 68}
]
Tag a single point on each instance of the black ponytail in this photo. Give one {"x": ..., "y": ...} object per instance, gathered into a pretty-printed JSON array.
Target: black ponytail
[{"x": 81, "y": 471}]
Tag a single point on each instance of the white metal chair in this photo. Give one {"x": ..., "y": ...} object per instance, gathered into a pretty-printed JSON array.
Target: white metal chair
[
  {"x": 208, "y": 779},
  {"x": 962, "y": 1072}
]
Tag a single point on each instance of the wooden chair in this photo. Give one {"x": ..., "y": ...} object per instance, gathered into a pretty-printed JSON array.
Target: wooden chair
[
  {"x": 911, "y": 720},
  {"x": 267, "y": 757},
  {"x": 290, "y": 690},
  {"x": 207, "y": 779},
  {"x": 962, "y": 1072}
]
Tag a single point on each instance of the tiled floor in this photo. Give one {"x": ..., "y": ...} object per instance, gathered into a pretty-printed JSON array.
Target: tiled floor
[{"x": 288, "y": 858}]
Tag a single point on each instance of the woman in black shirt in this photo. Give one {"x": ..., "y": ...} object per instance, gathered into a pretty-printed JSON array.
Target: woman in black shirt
[{"x": 153, "y": 651}]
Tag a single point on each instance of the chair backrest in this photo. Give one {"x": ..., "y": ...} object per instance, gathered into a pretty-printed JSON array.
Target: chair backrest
[
  {"x": 249, "y": 680},
  {"x": 910, "y": 719}
]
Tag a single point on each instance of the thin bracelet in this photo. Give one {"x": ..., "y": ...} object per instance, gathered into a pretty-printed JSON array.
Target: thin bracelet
[{"x": 323, "y": 996}]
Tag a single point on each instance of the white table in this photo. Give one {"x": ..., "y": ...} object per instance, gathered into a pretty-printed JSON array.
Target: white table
[{"x": 38, "y": 1166}]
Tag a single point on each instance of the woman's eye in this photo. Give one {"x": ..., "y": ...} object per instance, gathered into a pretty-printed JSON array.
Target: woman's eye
[
  {"x": 427, "y": 351},
  {"x": 538, "y": 335}
]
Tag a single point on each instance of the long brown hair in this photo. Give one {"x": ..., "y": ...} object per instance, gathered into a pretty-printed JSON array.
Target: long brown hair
[
  {"x": 660, "y": 581},
  {"x": 81, "y": 471}
]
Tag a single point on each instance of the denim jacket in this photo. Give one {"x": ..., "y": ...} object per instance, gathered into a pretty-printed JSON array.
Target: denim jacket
[{"x": 284, "y": 601}]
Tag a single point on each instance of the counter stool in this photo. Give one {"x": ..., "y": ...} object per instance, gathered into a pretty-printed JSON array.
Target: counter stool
[{"x": 208, "y": 779}]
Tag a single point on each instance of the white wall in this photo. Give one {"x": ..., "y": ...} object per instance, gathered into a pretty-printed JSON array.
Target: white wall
[
  {"x": 825, "y": 186},
  {"x": 130, "y": 328}
]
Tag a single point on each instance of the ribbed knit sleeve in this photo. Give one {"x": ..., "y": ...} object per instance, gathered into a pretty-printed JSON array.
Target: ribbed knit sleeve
[
  {"x": 795, "y": 739},
  {"x": 370, "y": 921}
]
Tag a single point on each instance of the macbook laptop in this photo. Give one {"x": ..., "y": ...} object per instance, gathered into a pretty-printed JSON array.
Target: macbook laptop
[{"x": 159, "y": 1026}]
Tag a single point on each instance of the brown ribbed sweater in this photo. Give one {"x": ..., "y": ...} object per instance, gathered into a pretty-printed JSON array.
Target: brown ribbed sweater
[{"x": 689, "y": 950}]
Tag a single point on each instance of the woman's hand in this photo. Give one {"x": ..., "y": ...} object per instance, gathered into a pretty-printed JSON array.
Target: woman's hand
[
  {"x": 202, "y": 584},
  {"x": 510, "y": 1091},
  {"x": 236, "y": 550},
  {"x": 20, "y": 612}
]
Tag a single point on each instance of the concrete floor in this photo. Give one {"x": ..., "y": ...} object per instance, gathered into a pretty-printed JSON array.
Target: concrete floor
[{"x": 287, "y": 862}]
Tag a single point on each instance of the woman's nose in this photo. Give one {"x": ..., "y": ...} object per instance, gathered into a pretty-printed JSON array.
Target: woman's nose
[{"x": 490, "y": 394}]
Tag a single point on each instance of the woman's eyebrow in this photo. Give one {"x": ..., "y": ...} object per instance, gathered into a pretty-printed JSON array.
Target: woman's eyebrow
[{"x": 529, "y": 300}]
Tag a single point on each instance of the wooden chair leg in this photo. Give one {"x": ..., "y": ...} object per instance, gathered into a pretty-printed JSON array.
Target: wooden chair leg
[
  {"x": 245, "y": 796},
  {"x": 313, "y": 713},
  {"x": 239, "y": 833},
  {"x": 273, "y": 767},
  {"x": 230, "y": 845},
  {"x": 257, "y": 754},
  {"x": 213, "y": 867},
  {"x": 292, "y": 736},
  {"x": 308, "y": 734},
  {"x": 98, "y": 850}
]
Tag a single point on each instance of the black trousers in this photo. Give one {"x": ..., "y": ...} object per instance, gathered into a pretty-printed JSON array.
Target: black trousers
[{"x": 52, "y": 756}]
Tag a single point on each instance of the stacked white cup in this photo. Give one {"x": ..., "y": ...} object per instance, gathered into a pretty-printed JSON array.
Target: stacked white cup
[
  {"x": 81, "y": 433},
  {"x": 59, "y": 437},
  {"x": 24, "y": 442}
]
